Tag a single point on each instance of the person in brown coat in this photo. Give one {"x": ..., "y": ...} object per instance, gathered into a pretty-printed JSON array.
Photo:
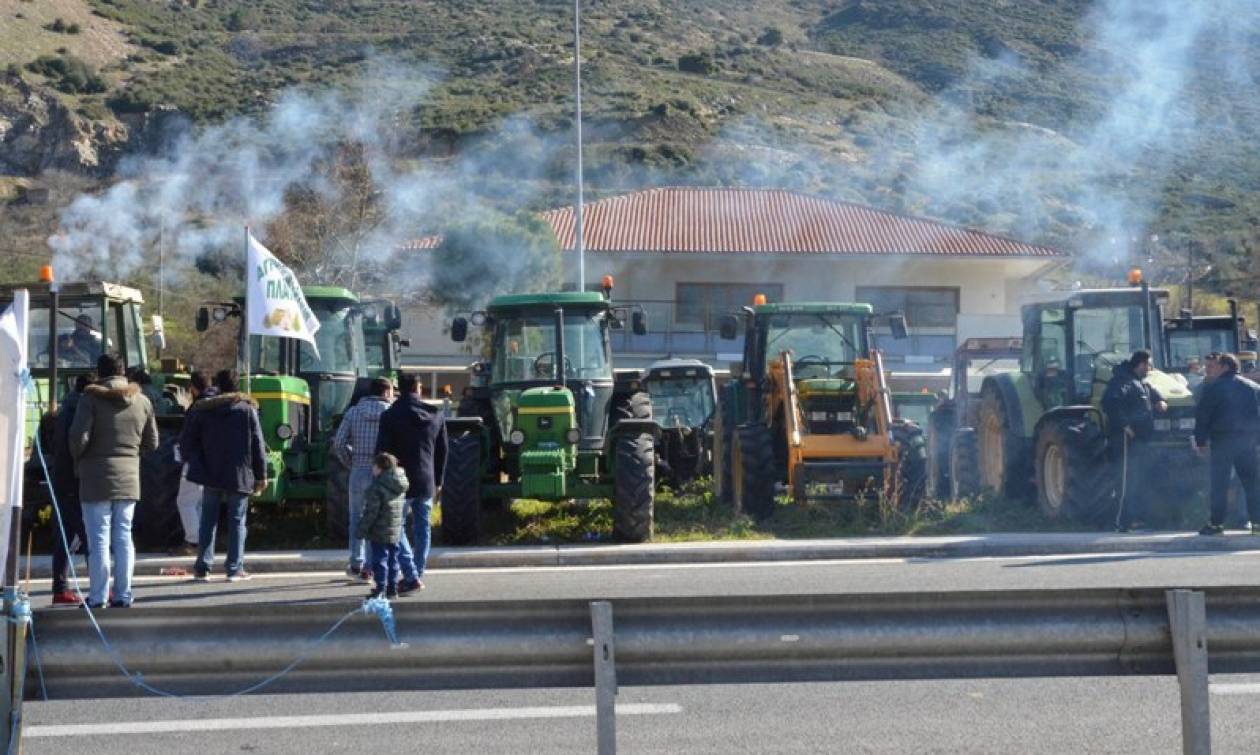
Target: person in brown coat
[{"x": 113, "y": 425}]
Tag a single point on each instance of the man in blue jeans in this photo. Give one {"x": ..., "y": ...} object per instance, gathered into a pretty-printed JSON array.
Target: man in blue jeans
[
  {"x": 223, "y": 446},
  {"x": 415, "y": 434},
  {"x": 355, "y": 444}
]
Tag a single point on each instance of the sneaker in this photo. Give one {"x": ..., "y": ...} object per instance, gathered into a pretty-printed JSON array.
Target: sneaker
[
  {"x": 366, "y": 575},
  {"x": 1212, "y": 529},
  {"x": 66, "y": 598},
  {"x": 353, "y": 571},
  {"x": 184, "y": 549},
  {"x": 375, "y": 593},
  {"x": 119, "y": 604},
  {"x": 240, "y": 576},
  {"x": 408, "y": 586},
  {"x": 201, "y": 576},
  {"x": 392, "y": 593}
]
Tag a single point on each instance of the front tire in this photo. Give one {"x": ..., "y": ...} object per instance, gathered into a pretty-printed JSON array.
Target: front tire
[
  {"x": 940, "y": 431},
  {"x": 634, "y": 489},
  {"x": 1074, "y": 480},
  {"x": 337, "y": 498},
  {"x": 461, "y": 491},
  {"x": 752, "y": 478},
  {"x": 964, "y": 464},
  {"x": 911, "y": 475}
]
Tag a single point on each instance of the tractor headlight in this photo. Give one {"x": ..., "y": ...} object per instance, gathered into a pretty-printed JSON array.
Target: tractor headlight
[
  {"x": 284, "y": 432},
  {"x": 572, "y": 435},
  {"x": 517, "y": 438}
]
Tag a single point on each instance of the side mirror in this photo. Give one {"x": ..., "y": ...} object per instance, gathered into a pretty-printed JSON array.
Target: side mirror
[
  {"x": 897, "y": 323},
  {"x": 404, "y": 343},
  {"x": 203, "y": 319},
  {"x": 459, "y": 330},
  {"x": 638, "y": 323},
  {"x": 159, "y": 333},
  {"x": 728, "y": 328}
]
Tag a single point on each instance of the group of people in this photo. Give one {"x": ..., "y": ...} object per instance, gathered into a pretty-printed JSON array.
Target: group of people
[
  {"x": 396, "y": 451},
  {"x": 1226, "y": 430}
]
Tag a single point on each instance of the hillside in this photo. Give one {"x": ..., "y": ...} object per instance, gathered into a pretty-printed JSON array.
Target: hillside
[{"x": 1082, "y": 124}]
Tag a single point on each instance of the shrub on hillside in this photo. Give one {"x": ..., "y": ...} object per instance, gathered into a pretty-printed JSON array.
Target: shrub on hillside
[
  {"x": 68, "y": 73},
  {"x": 697, "y": 62}
]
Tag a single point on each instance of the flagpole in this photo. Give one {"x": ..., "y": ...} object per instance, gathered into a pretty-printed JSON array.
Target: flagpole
[{"x": 245, "y": 317}]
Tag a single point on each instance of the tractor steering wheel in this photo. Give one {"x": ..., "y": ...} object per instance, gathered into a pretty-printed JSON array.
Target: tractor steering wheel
[
  {"x": 812, "y": 360},
  {"x": 545, "y": 365}
]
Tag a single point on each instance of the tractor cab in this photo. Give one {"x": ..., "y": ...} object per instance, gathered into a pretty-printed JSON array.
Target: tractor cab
[
  {"x": 1189, "y": 338},
  {"x": 683, "y": 392}
]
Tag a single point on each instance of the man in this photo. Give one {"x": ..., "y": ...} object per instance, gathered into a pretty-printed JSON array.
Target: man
[
  {"x": 416, "y": 435},
  {"x": 223, "y": 445},
  {"x": 188, "y": 499},
  {"x": 113, "y": 425},
  {"x": 83, "y": 345},
  {"x": 1227, "y": 421},
  {"x": 1130, "y": 405},
  {"x": 1194, "y": 372},
  {"x": 354, "y": 444},
  {"x": 65, "y": 486}
]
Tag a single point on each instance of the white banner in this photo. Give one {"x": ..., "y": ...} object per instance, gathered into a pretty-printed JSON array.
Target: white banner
[
  {"x": 276, "y": 306},
  {"x": 13, "y": 325}
]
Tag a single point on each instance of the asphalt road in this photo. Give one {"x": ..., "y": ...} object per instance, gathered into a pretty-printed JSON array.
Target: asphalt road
[
  {"x": 1136, "y": 569},
  {"x": 1027, "y": 716}
]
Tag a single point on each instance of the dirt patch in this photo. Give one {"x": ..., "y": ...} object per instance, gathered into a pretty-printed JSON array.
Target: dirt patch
[{"x": 23, "y": 36}]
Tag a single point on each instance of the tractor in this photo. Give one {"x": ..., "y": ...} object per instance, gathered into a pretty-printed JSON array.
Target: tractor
[
  {"x": 302, "y": 395},
  {"x": 1041, "y": 431},
  {"x": 684, "y": 397},
  {"x": 811, "y": 410},
  {"x": 71, "y": 325},
  {"x": 546, "y": 417},
  {"x": 1191, "y": 337},
  {"x": 951, "y": 435}
]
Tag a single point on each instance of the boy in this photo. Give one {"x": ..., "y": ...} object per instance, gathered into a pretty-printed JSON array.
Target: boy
[{"x": 381, "y": 522}]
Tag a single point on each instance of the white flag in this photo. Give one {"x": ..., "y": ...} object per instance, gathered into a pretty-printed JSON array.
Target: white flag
[
  {"x": 12, "y": 415},
  {"x": 276, "y": 304}
]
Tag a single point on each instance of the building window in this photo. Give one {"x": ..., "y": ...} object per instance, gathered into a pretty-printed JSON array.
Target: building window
[
  {"x": 923, "y": 307},
  {"x": 701, "y": 306}
]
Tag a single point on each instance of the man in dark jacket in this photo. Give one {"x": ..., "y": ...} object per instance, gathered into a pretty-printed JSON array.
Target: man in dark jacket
[
  {"x": 65, "y": 486},
  {"x": 222, "y": 444},
  {"x": 1130, "y": 405},
  {"x": 113, "y": 425},
  {"x": 1227, "y": 421},
  {"x": 416, "y": 435}
]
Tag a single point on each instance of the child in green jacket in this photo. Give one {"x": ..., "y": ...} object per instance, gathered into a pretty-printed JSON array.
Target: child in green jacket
[{"x": 382, "y": 521}]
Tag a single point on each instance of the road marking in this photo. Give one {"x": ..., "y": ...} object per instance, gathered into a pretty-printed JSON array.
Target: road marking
[
  {"x": 1239, "y": 688},
  {"x": 347, "y": 719}
]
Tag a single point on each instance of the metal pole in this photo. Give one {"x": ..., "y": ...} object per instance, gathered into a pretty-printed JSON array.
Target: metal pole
[
  {"x": 54, "y": 307},
  {"x": 245, "y": 317},
  {"x": 1187, "y": 619},
  {"x": 579, "y": 242},
  {"x": 605, "y": 676}
]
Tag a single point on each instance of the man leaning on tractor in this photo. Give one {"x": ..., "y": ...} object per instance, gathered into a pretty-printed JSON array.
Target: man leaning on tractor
[
  {"x": 1227, "y": 422},
  {"x": 1131, "y": 404}
]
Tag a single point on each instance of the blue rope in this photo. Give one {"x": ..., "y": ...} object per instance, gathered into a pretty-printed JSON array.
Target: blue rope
[{"x": 378, "y": 607}]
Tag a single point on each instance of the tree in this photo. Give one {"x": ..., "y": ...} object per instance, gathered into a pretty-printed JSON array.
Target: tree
[{"x": 494, "y": 254}]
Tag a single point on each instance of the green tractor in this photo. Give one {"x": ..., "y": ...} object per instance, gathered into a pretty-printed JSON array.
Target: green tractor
[
  {"x": 70, "y": 326},
  {"x": 1041, "y": 431},
  {"x": 546, "y": 418},
  {"x": 301, "y": 395}
]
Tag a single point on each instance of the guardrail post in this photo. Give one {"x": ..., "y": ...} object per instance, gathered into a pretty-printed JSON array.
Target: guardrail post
[
  {"x": 605, "y": 676},
  {"x": 1187, "y": 618}
]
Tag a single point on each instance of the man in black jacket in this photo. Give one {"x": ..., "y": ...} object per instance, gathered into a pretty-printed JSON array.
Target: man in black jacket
[
  {"x": 416, "y": 435},
  {"x": 65, "y": 485},
  {"x": 222, "y": 444},
  {"x": 1227, "y": 421},
  {"x": 1131, "y": 404}
]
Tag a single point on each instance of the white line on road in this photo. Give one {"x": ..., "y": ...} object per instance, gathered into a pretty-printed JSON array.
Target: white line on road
[
  {"x": 1240, "y": 688},
  {"x": 347, "y": 719}
]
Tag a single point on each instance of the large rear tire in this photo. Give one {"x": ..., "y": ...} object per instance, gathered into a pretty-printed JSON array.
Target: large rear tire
[
  {"x": 940, "y": 431},
  {"x": 461, "y": 491},
  {"x": 634, "y": 489},
  {"x": 912, "y": 460},
  {"x": 337, "y": 499},
  {"x": 156, "y": 522},
  {"x": 1004, "y": 464},
  {"x": 1074, "y": 479},
  {"x": 964, "y": 464},
  {"x": 752, "y": 477},
  {"x": 723, "y": 441}
]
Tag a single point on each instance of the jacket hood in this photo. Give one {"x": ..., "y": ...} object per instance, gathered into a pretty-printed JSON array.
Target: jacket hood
[
  {"x": 115, "y": 389},
  {"x": 223, "y": 401},
  {"x": 394, "y": 480},
  {"x": 1124, "y": 370}
]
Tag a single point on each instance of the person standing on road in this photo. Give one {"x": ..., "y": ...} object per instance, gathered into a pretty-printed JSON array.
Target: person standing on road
[
  {"x": 382, "y": 523},
  {"x": 113, "y": 425},
  {"x": 1227, "y": 423},
  {"x": 188, "y": 498},
  {"x": 65, "y": 486},
  {"x": 223, "y": 445},
  {"x": 416, "y": 435},
  {"x": 1130, "y": 405}
]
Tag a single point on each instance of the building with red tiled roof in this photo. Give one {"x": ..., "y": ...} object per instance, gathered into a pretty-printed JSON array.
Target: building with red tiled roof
[{"x": 691, "y": 254}]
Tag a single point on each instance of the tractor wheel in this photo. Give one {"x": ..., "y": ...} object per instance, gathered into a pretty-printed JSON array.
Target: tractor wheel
[
  {"x": 912, "y": 460},
  {"x": 634, "y": 406},
  {"x": 964, "y": 464},
  {"x": 461, "y": 491},
  {"x": 723, "y": 442},
  {"x": 157, "y": 524},
  {"x": 752, "y": 475},
  {"x": 940, "y": 431},
  {"x": 1074, "y": 479},
  {"x": 1004, "y": 463},
  {"x": 337, "y": 499},
  {"x": 634, "y": 488}
]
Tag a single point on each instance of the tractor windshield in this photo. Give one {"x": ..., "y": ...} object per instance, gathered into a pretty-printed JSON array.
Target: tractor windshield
[
  {"x": 340, "y": 341},
  {"x": 1104, "y": 337},
  {"x": 1187, "y": 345},
  {"x": 822, "y": 345},
  {"x": 525, "y": 348},
  {"x": 681, "y": 401},
  {"x": 79, "y": 336}
]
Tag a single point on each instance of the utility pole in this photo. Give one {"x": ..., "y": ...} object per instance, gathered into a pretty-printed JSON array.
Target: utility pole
[{"x": 579, "y": 244}]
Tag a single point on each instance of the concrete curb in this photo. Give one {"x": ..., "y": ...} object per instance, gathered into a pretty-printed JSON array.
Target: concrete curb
[{"x": 953, "y": 546}]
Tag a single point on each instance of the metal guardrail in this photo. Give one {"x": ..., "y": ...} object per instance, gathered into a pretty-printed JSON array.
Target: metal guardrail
[{"x": 725, "y": 639}]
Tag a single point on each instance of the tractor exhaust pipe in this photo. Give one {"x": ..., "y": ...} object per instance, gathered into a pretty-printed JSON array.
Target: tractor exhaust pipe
[{"x": 559, "y": 347}]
